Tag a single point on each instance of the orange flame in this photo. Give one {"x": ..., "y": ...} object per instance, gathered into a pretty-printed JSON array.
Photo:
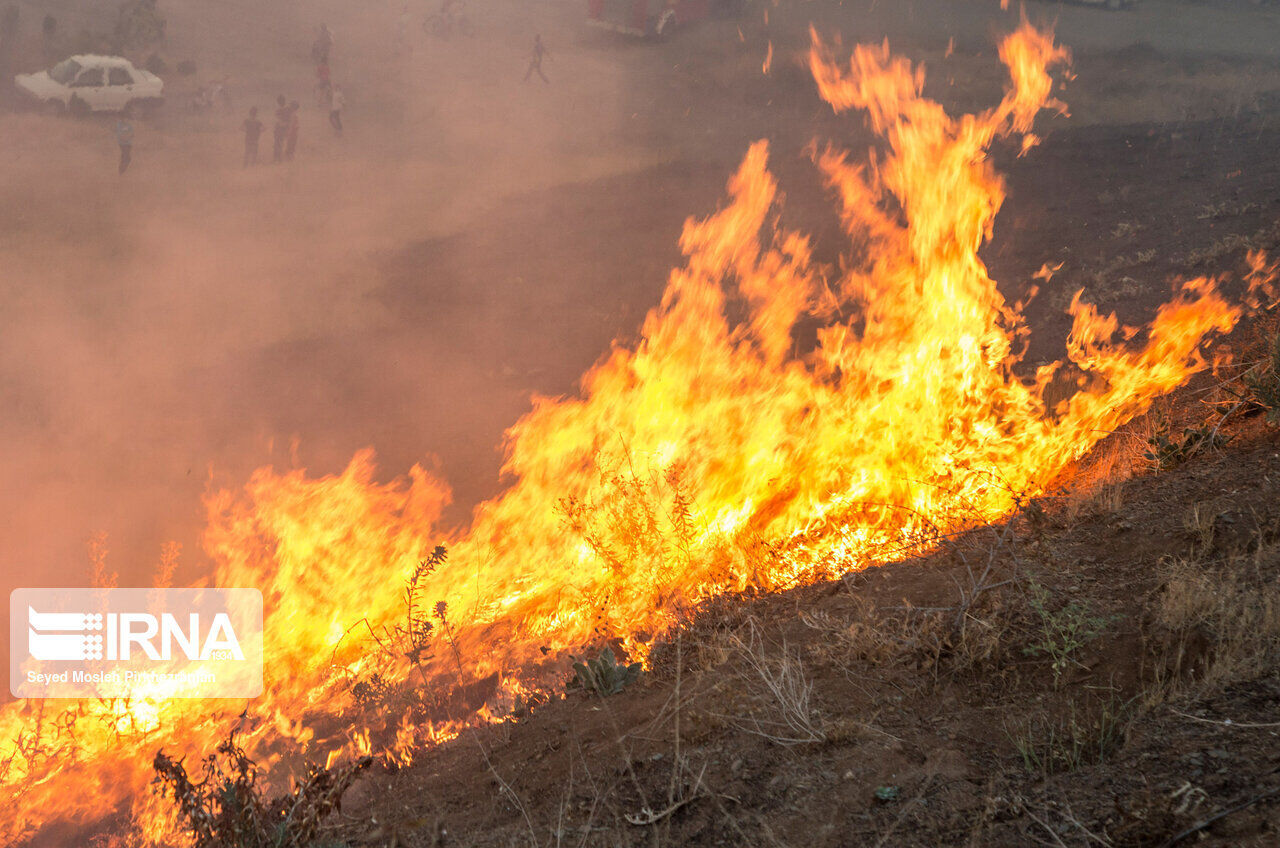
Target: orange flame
[{"x": 710, "y": 457}]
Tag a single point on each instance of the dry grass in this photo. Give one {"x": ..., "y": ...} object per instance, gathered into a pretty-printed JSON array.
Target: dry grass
[
  {"x": 780, "y": 692},
  {"x": 1198, "y": 523},
  {"x": 1127, "y": 229},
  {"x": 1097, "y": 486},
  {"x": 1085, "y": 734},
  {"x": 1102, "y": 498},
  {"x": 1223, "y": 620},
  {"x": 946, "y": 640},
  {"x": 876, "y": 637},
  {"x": 1224, "y": 209}
]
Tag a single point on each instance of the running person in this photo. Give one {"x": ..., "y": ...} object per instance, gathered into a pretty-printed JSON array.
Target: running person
[{"x": 535, "y": 61}]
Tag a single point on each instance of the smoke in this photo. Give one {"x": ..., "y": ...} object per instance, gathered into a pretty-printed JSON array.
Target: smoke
[
  {"x": 472, "y": 239},
  {"x": 404, "y": 287}
]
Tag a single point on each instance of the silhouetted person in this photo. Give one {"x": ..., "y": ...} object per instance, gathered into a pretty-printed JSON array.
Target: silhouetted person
[
  {"x": 291, "y": 134},
  {"x": 324, "y": 84},
  {"x": 252, "y": 131},
  {"x": 124, "y": 137},
  {"x": 323, "y": 45},
  {"x": 280, "y": 130},
  {"x": 336, "y": 102},
  {"x": 48, "y": 34},
  {"x": 535, "y": 61},
  {"x": 9, "y": 24}
]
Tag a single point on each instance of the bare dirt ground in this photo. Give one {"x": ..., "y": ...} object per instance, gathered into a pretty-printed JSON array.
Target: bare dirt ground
[{"x": 473, "y": 238}]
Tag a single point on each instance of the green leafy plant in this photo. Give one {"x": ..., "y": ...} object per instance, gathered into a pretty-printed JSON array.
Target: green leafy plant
[
  {"x": 1166, "y": 449},
  {"x": 1062, "y": 632},
  {"x": 604, "y": 675}
]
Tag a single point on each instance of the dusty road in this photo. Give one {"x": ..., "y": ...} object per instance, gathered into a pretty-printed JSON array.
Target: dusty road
[{"x": 471, "y": 239}]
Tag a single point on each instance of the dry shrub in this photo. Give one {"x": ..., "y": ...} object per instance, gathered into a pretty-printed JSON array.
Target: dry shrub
[
  {"x": 224, "y": 806},
  {"x": 642, "y": 524},
  {"x": 708, "y": 631},
  {"x": 779, "y": 693},
  {"x": 877, "y": 636},
  {"x": 954, "y": 639},
  {"x": 1221, "y": 621},
  {"x": 1096, "y": 485}
]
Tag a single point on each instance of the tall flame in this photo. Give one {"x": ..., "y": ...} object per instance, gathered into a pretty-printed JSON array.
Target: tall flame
[{"x": 778, "y": 421}]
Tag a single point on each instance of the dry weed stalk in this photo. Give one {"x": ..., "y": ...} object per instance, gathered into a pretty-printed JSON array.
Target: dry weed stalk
[
  {"x": 226, "y": 806},
  {"x": 783, "y": 691}
]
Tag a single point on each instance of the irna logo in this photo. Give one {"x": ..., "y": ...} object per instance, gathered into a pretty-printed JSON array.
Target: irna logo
[
  {"x": 80, "y": 636},
  {"x": 150, "y": 643}
]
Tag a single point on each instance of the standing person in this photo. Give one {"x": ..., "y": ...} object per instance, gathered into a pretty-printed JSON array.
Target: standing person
[
  {"x": 323, "y": 45},
  {"x": 9, "y": 26},
  {"x": 291, "y": 137},
  {"x": 252, "y": 130},
  {"x": 324, "y": 84},
  {"x": 535, "y": 61},
  {"x": 124, "y": 137},
  {"x": 336, "y": 102},
  {"x": 280, "y": 130},
  {"x": 49, "y": 37}
]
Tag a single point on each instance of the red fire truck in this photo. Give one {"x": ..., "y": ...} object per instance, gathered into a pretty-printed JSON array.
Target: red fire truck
[{"x": 653, "y": 18}]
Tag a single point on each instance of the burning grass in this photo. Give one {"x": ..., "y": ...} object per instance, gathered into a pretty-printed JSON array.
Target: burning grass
[
  {"x": 711, "y": 458},
  {"x": 845, "y": 713},
  {"x": 224, "y": 808}
]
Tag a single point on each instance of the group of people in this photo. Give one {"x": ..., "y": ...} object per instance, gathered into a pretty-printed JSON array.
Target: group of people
[
  {"x": 287, "y": 121},
  {"x": 284, "y": 136}
]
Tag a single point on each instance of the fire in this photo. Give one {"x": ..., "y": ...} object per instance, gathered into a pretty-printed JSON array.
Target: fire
[{"x": 717, "y": 454}]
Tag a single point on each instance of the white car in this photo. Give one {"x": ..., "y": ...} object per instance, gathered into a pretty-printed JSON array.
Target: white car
[{"x": 84, "y": 84}]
